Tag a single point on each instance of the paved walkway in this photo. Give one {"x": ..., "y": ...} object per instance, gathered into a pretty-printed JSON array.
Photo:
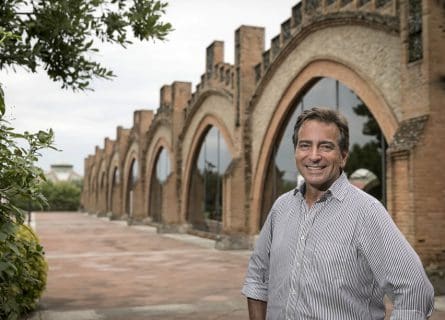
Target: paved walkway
[{"x": 105, "y": 270}]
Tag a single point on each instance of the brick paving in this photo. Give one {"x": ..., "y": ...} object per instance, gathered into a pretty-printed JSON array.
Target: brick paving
[{"x": 100, "y": 269}]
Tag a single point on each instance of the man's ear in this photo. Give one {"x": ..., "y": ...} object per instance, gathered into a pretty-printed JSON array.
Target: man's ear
[{"x": 345, "y": 156}]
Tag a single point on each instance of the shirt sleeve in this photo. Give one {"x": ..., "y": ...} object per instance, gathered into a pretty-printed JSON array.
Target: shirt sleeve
[
  {"x": 257, "y": 277},
  {"x": 396, "y": 267}
]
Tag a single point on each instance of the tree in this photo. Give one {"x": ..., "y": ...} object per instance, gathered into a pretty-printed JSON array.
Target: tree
[
  {"x": 60, "y": 196},
  {"x": 369, "y": 154},
  {"x": 18, "y": 177},
  {"x": 60, "y": 36}
]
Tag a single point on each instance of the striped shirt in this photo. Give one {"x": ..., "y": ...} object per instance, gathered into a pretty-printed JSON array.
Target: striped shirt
[{"x": 336, "y": 260}]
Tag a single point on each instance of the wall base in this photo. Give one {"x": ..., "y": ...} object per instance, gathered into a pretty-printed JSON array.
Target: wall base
[{"x": 233, "y": 242}]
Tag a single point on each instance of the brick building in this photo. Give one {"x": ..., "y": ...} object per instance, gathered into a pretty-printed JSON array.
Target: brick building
[{"x": 211, "y": 160}]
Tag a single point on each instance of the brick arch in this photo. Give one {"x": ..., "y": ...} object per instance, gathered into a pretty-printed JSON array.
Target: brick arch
[
  {"x": 198, "y": 136},
  {"x": 92, "y": 178},
  {"x": 132, "y": 154},
  {"x": 102, "y": 175},
  {"x": 202, "y": 96},
  {"x": 158, "y": 146},
  {"x": 370, "y": 95}
]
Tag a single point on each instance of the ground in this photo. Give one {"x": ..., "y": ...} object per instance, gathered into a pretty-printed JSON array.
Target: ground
[{"x": 100, "y": 269}]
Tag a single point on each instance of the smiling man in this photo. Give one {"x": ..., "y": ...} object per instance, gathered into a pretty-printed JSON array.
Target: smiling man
[{"x": 328, "y": 250}]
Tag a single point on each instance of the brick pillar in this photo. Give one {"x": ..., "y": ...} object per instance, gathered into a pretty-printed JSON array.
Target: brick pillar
[
  {"x": 401, "y": 201},
  {"x": 141, "y": 124},
  {"x": 165, "y": 97},
  {"x": 214, "y": 55},
  {"x": 249, "y": 46},
  {"x": 122, "y": 140},
  {"x": 181, "y": 95}
]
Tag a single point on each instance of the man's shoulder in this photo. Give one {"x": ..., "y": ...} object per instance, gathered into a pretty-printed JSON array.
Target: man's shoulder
[
  {"x": 289, "y": 196},
  {"x": 285, "y": 200},
  {"x": 359, "y": 199}
]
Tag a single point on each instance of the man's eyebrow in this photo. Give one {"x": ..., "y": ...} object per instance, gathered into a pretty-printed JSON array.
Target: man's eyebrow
[
  {"x": 326, "y": 142},
  {"x": 319, "y": 142}
]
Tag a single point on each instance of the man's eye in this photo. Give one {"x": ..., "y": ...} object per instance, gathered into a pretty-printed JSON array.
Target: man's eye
[
  {"x": 326, "y": 147},
  {"x": 304, "y": 145}
]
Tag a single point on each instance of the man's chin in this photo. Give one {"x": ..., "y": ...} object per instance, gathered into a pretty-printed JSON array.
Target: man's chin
[{"x": 318, "y": 184}]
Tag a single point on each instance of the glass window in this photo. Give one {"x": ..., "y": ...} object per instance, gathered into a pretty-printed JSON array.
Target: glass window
[
  {"x": 133, "y": 176},
  {"x": 116, "y": 175},
  {"x": 102, "y": 180},
  {"x": 162, "y": 166},
  {"x": 157, "y": 192},
  {"x": 206, "y": 192},
  {"x": 365, "y": 166}
]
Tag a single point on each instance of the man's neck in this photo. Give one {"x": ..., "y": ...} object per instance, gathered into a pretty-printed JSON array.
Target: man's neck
[{"x": 312, "y": 195}]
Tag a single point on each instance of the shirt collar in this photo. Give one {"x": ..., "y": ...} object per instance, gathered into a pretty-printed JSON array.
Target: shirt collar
[{"x": 337, "y": 190}]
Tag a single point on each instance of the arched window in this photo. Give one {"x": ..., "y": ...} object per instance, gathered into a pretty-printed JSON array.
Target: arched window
[
  {"x": 111, "y": 196},
  {"x": 134, "y": 174},
  {"x": 162, "y": 166},
  {"x": 102, "y": 181},
  {"x": 116, "y": 176},
  {"x": 366, "y": 164},
  {"x": 132, "y": 179},
  {"x": 206, "y": 191},
  {"x": 157, "y": 186}
]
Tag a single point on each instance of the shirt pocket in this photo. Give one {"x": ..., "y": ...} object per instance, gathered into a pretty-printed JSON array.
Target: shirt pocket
[{"x": 334, "y": 261}]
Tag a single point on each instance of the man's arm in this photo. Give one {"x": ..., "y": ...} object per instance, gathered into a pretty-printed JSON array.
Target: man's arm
[
  {"x": 257, "y": 309},
  {"x": 256, "y": 284},
  {"x": 396, "y": 266}
]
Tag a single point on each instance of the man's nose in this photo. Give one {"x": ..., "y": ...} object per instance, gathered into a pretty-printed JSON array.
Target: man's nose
[{"x": 314, "y": 154}]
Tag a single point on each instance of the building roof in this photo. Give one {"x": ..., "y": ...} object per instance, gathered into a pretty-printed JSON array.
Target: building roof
[{"x": 62, "y": 172}]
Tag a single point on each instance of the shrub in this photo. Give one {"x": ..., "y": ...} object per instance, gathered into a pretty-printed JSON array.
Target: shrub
[
  {"x": 26, "y": 278},
  {"x": 34, "y": 275}
]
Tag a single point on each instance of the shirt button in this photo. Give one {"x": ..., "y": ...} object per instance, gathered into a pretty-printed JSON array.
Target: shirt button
[{"x": 302, "y": 238}]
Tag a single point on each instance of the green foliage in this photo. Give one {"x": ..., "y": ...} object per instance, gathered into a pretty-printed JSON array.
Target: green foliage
[
  {"x": 368, "y": 155},
  {"x": 21, "y": 277},
  {"x": 23, "y": 272},
  {"x": 60, "y": 196},
  {"x": 60, "y": 35},
  {"x": 18, "y": 174},
  {"x": 20, "y": 294}
]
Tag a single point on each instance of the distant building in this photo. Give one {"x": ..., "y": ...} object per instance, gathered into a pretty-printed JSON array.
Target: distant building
[{"x": 62, "y": 172}]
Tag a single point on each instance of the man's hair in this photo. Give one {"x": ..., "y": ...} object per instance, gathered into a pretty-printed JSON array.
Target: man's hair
[{"x": 327, "y": 116}]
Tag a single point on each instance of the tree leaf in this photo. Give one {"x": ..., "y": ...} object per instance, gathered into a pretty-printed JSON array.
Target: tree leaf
[{"x": 2, "y": 101}]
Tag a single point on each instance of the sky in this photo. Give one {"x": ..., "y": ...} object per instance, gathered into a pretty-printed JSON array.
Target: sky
[{"x": 82, "y": 120}]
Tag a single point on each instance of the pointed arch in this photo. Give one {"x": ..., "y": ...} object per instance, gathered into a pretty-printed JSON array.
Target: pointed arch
[
  {"x": 131, "y": 162},
  {"x": 160, "y": 144},
  {"x": 205, "y": 124},
  {"x": 113, "y": 166},
  {"x": 313, "y": 71}
]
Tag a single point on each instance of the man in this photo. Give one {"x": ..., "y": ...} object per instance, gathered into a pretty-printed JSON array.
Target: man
[{"x": 329, "y": 250}]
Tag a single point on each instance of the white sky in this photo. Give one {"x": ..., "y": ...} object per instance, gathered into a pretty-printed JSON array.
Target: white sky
[{"x": 82, "y": 120}]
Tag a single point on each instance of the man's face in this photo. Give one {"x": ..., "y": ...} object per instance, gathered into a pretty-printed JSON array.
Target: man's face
[{"x": 318, "y": 154}]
